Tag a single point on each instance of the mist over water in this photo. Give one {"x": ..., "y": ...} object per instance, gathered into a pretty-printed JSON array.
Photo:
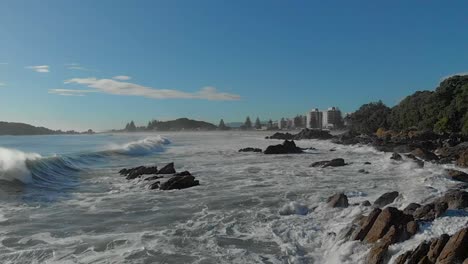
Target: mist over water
[{"x": 63, "y": 201}]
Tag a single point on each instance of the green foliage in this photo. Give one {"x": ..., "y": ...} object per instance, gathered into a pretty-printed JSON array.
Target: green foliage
[
  {"x": 223, "y": 126},
  {"x": 464, "y": 129},
  {"x": 442, "y": 126},
  {"x": 180, "y": 124},
  {"x": 369, "y": 117},
  {"x": 258, "y": 124}
]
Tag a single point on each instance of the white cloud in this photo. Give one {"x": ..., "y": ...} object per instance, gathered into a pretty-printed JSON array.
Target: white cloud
[
  {"x": 69, "y": 92},
  {"x": 39, "y": 68},
  {"x": 110, "y": 86},
  {"x": 76, "y": 66},
  {"x": 122, "y": 77}
]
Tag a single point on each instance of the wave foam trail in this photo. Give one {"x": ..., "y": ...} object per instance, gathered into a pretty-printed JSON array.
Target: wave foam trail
[
  {"x": 141, "y": 147},
  {"x": 13, "y": 165}
]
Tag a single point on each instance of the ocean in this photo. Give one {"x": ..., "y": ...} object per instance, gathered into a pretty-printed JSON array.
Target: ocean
[{"x": 62, "y": 200}]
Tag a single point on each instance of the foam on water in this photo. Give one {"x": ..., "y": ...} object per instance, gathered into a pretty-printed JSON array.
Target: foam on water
[{"x": 13, "y": 165}]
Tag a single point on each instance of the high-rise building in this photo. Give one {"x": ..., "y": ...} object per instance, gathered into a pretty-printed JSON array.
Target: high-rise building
[
  {"x": 314, "y": 119},
  {"x": 333, "y": 118}
]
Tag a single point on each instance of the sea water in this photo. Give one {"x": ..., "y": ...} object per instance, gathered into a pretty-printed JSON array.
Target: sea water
[{"x": 62, "y": 200}]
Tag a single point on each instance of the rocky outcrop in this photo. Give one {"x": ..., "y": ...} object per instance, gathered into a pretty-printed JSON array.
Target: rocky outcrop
[
  {"x": 419, "y": 162},
  {"x": 424, "y": 154},
  {"x": 288, "y": 147},
  {"x": 304, "y": 134},
  {"x": 249, "y": 149},
  {"x": 329, "y": 163},
  {"x": 386, "y": 198},
  {"x": 338, "y": 200},
  {"x": 137, "y": 172},
  {"x": 455, "y": 199},
  {"x": 396, "y": 156},
  {"x": 444, "y": 250},
  {"x": 462, "y": 161},
  {"x": 430, "y": 211},
  {"x": 179, "y": 182},
  {"x": 457, "y": 175},
  {"x": 411, "y": 208},
  {"x": 168, "y": 169}
]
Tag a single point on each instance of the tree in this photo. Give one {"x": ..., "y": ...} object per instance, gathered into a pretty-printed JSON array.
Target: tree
[
  {"x": 258, "y": 125},
  {"x": 222, "y": 126},
  {"x": 130, "y": 127},
  {"x": 369, "y": 117},
  {"x": 248, "y": 123}
]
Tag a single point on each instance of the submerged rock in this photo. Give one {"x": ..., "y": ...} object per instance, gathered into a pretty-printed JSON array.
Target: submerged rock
[
  {"x": 419, "y": 162},
  {"x": 168, "y": 169},
  {"x": 249, "y": 149},
  {"x": 338, "y": 200},
  {"x": 424, "y": 154},
  {"x": 386, "y": 198},
  {"x": 288, "y": 147},
  {"x": 396, "y": 156},
  {"x": 329, "y": 163}
]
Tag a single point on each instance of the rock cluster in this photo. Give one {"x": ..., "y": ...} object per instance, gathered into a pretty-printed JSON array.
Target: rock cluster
[
  {"x": 304, "y": 134},
  {"x": 250, "y": 149},
  {"x": 288, "y": 147},
  {"x": 181, "y": 180},
  {"x": 329, "y": 163}
]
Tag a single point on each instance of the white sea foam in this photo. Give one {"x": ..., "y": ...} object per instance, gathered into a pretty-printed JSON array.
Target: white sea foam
[
  {"x": 13, "y": 165},
  {"x": 140, "y": 147}
]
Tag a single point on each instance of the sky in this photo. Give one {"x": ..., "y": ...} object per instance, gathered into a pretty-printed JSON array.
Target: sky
[{"x": 99, "y": 64}]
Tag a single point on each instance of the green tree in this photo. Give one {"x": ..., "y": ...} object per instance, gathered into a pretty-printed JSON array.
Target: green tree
[
  {"x": 248, "y": 123},
  {"x": 258, "y": 124}
]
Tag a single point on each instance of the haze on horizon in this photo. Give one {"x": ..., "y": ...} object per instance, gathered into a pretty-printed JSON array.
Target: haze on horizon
[{"x": 99, "y": 64}]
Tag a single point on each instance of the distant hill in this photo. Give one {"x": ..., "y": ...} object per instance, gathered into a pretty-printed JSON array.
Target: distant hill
[
  {"x": 21, "y": 129},
  {"x": 180, "y": 124}
]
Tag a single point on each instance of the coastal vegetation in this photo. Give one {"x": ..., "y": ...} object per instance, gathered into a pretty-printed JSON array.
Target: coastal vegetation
[{"x": 443, "y": 111}]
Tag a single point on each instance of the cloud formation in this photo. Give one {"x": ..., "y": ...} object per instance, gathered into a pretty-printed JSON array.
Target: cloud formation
[
  {"x": 116, "y": 87},
  {"x": 122, "y": 77},
  {"x": 70, "y": 92},
  {"x": 76, "y": 66},
  {"x": 39, "y": 68}
]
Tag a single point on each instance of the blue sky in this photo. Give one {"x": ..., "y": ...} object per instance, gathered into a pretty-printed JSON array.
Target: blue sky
[{"x": 218, "y": 59}]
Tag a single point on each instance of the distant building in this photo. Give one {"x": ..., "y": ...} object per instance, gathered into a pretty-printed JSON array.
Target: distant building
[
  {"x": 332, "y": 118},
  {"x": 314, "y": 119}
]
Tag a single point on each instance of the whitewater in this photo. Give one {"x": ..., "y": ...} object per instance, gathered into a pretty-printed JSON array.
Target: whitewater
[{"x": 63, "y": 200}]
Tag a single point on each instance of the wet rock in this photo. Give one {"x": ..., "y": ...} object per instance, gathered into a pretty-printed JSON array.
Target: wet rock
[
  {"x": 184, "y": 173},
  {"x": 365, "y": 225},
  {"x": 431, "y": 211},
  {"x": 367, "y": 163},
  {"x": 288, "y": 147},
  {"x": 455, "y": 199},
  {"x": 426, "y": 252},
  {"x": 137, "y": 172},
  {"x": 424, "y": 154},
  {"x": 378, "y": 252},
  {"x": 249, "y": 149},
  {"x": 152, "y": 178},
  {"x": 338, "y": 200},
  {"x": 179, "y": 182},
  {"x": 455, "y": 251},
  {"x": 366, "y": 203},
  {"x": 389, "y": 217},
  {"x": 304, "y": 134},
  {"x": 333, "y": 149},
  {"x": 363, "y": 171},
  {"x": 436, "y": 247},
  {"x": 457, "y": 175},
  {"x": 411, "y": 208},
  {"x": 168, "y": 169},
  {"x": 414, "y": 256},
  {"x": 155, "y": 185},
  {"x": 462, "y": 161},
  {"x": 419, "y": 162},
  {"x": 385, "y": 199},
  {"x": 396, "y": 156},
  {"x": 329, "y": 163}
]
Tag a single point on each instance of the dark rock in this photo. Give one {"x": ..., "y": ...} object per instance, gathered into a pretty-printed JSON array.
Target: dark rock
[
  {"x": 426, "y": 252},
  {"x": 378, "y": 252},
  {"x": 338, "y": 200},
  {"x": 282, "y": 136},
  {"x": 457, "y": 175},
  {"x": 249, "y": 149},
  {"x": 385, "y": 199},
  {"x": 411, "y": 208},
  {"x": 288, "y": 147},
  {"x": 416, "y": 255},
  {"x": 168, "y": 169},
  {"x": 455, "y": 251},
  {"x": 179, "y": 182},
  {"x": 304, "y": 134},
  {"x": 155, "y": 185},
  {"x": 152, "y": 178},
  {"x": 363, "y": 171},
  {"x": 366, "y": 203},
  {"x": 436, "y": 247},
  {"x": 329, "y": 163},
  {"x": 396, "y": 156},
  {"x": 137, "y": 172},
  {"x": 431, "y": 211},
  {"x": 367, "y": 163},
  {"x": 455, "y": 199},
  {"x": 333, "y": 149},
  {"x": 424, "y": 154},
  {"x": 184, "y": 173}
]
